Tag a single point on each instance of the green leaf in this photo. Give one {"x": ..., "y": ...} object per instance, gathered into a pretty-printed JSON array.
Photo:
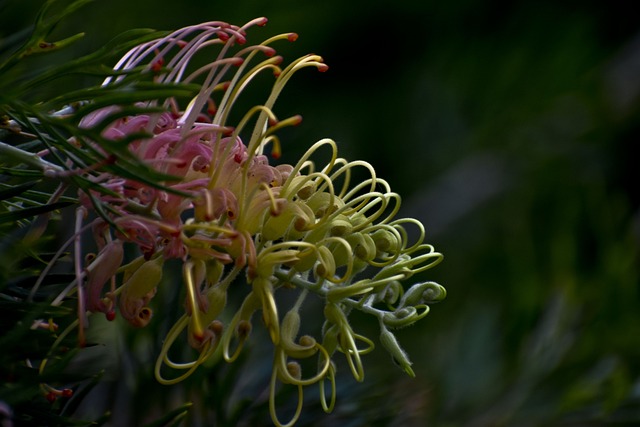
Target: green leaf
[
  {"x": 111, "y": 49},
  {"x": 173, "y": 417},
  {"x": 18, "y": 172},
  {"x": 79, "y": 395},
  {"x": 7, "y": 192},
  {"x": 44, "y": 25},
  {"x": 19, "y": 214}
]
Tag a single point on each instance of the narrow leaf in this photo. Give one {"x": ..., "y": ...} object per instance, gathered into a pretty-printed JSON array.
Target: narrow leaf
[
  {"x": 15, "y": 190},
  {"x": 30, "y": 212}
]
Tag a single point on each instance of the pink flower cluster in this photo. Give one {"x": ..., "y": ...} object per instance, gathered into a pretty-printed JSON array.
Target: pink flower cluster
[{"x": 217, "y": 189}]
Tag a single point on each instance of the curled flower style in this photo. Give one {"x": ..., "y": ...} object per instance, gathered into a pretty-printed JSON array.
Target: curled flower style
[{"x": 224, "y": 210}]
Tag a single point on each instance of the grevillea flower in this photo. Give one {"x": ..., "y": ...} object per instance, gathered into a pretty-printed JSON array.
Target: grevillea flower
[{"x": 225, "y": 210}]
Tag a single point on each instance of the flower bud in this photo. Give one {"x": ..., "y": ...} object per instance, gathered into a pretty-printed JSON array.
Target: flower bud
[
  {"x": 326, "y": 267},
  {"x": 243, "y": 330},
  {"x": 399, "y": 266},
  {"x": 363, "y": 246},
  {"x": 138, "y": 290},
  {"x": 390, "y": 293},
  {"x": 306, "y": 260},
  {"x": 302, "y": 185},
  {"x": 323, "y": 203},
  {"x": 216, "y": 298},
  {"x": 269, "y": 261},
  {"x": 423, "y": 293},
  {"x": 405, "y": 316},
  {"x": 142, "y": 317},
  {"x": 390, "y": 343},
  {"x": 214, "y": 203},
  {"x": 295, "y": 370},
  {"x": 290, "y": 326},
  {"x": 132, "y": 267},
  {"x": 340, "y": 226},
  {"x": 330, "y": 338},
  {"x": 366, "y": 249},
  {"x": 214, "y": 271},
  {"x": 294, "y": 215},
  {"x": 284, "y": 170},
  {"x": 334, "y": 314},
  {"x": 99, "y": 271},
  {"x": 288, "y": 332},
  {"x": 385, "y": 241}
]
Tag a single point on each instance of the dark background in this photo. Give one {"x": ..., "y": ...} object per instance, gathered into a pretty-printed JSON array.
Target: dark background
[{"x": 508, "y": 128}]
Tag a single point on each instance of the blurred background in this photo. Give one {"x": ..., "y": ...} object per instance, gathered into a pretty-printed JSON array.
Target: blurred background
[{"x": 508, "y": 128}]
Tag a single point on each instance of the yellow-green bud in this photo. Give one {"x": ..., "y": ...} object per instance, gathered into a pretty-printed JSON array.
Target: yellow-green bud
[
  {"x": 302, "y": 185},
  {"x": 326, "y": 267},
  {"x": 294, "y": 369},
  {"x": 340, "y": 226},
  {"x": 269, "y": 261},
  {"x": 288, "y": 332},
  {"x": 402, "y": 317},
  {"x": 132, "y": 267},
  {"x": 307, "y": 258},
  {"x": 322, "y": 203},
  {"x": 421, "y": 293},
  {"x": 389, "y": 342},
  {"x": 385, "y": 241},
  {"x": 243, "y": 330},
  {"x": 362, "y": 245},
  {"x": 138, "y": 290},
  {"x": 294, "y": 215}
]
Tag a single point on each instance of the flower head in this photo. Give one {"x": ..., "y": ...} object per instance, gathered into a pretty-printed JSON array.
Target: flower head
[{"x": 224, "y": 210}]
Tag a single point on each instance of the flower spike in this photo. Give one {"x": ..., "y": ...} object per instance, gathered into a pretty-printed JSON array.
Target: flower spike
[{"x": 221, "y": 209}]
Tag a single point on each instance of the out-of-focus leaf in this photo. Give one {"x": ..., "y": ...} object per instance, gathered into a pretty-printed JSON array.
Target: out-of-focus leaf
[
  {"x": 173, "y": 417},
  {"x": 7, "y": 192},
  {"x": 126, "y": 93},
  {"x": 25, "y": 213},
  {"x": 94, "y": 61},
  {"x": 44, "y": 25},
  {"x": 17, "y": 172}
]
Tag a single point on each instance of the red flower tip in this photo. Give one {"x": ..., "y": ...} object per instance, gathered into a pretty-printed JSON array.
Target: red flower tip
[
  {"x": 157, "y": 64},
  {"x": 292, "y": 37},
  {"x": 296, "y": 120},
  {"x": 199, "y": 337}
]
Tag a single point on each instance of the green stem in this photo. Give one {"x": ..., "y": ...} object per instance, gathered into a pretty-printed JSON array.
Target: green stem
[
  {"x": 323, "y": 292},
  {"x": 27, "y": 158}
]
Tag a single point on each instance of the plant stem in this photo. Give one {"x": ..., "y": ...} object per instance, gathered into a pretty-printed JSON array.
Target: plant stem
[{"x": 27, "y": 158}]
